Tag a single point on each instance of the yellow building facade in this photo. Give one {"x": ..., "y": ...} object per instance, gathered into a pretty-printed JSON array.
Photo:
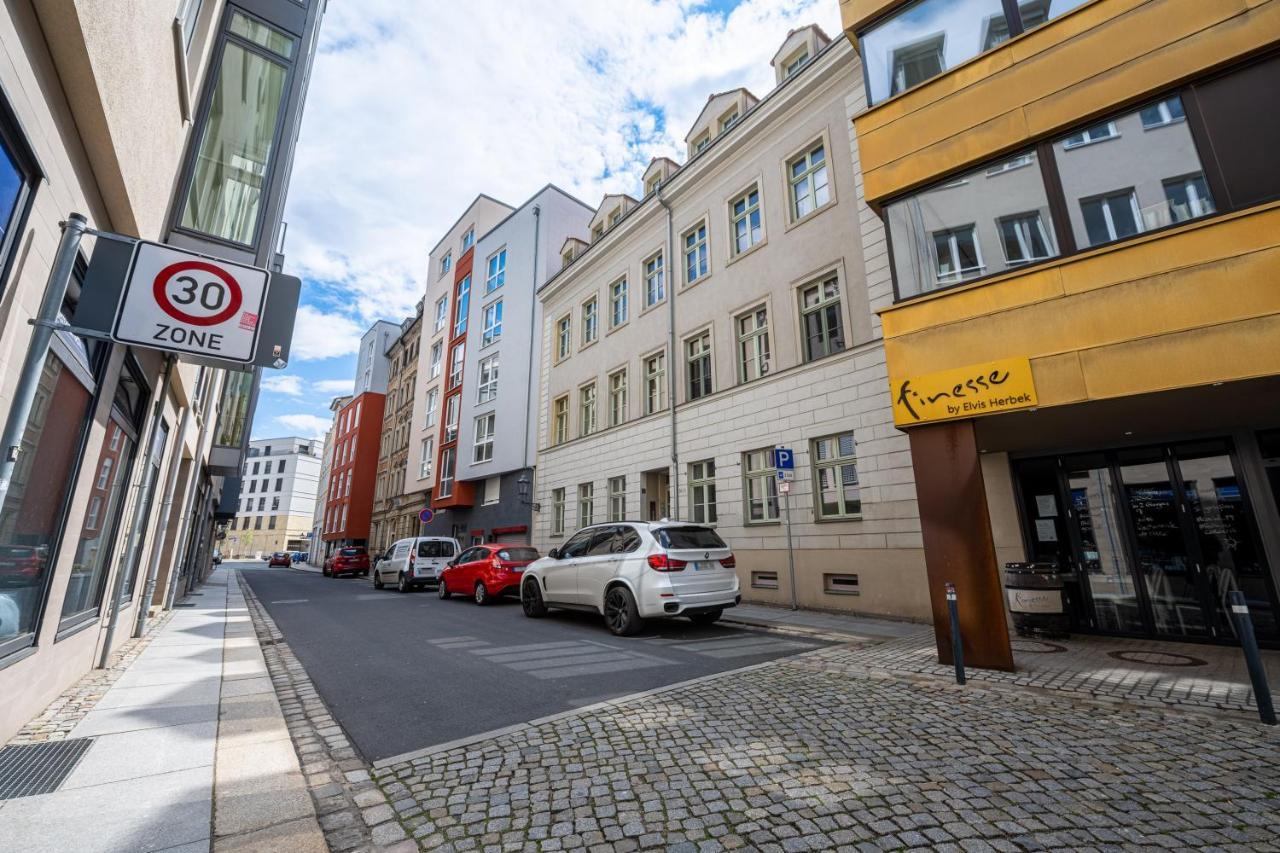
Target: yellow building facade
[{"x": 1081, "y": 201}]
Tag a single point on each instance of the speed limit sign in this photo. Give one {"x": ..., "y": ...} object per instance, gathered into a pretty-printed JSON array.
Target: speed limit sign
[{"x": 183, "y": 302}]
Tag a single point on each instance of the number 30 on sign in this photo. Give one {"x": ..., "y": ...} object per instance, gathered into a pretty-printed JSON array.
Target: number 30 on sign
[{"x": 183, "y": 302}]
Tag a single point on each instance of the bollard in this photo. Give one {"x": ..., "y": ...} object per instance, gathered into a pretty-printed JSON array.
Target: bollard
[
  {"x": 1257, "y": 672},
  {"x": 957, "y": 647}
]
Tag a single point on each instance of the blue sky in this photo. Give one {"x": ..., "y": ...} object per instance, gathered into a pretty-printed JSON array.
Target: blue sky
[{"x": 414, "y": 109}]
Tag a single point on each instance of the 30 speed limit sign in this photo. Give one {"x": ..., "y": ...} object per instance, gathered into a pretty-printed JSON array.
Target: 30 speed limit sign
[{"x": 179, "y": 301}]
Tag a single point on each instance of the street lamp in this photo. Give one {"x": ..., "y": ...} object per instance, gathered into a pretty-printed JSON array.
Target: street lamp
[{"x": 522, "y": 488}]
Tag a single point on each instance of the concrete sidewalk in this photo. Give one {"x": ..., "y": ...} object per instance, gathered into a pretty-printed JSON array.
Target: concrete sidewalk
[
  {"x": 194, "y": 714},
  {"x": 823, "y": 622}
]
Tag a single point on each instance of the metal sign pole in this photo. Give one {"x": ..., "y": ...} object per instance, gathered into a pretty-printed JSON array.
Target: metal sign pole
[
  {"x": 33, "y": 365},
  {"x": 791, "y": 554}
]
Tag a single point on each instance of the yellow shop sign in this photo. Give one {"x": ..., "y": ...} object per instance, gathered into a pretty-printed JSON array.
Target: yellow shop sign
[{"x": 965, "y": 392}]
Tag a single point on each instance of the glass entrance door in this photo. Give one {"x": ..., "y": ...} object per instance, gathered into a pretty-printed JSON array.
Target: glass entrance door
[{"x": 1150, "y": 557}]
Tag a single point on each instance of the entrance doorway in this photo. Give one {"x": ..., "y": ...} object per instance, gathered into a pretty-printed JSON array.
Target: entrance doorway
[
  {"x": 655, "y": 489},
  {"x": 1141, "y": 556}
]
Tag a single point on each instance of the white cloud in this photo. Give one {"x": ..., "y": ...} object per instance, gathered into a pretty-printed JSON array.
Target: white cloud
[
  {"x": 321, "y": 334},
  {"x": 412, "y": 112},
  {"x": 285, "y": 383},
  {"x": 308, "y": 426},
  {"x": 333, "y": 386}
]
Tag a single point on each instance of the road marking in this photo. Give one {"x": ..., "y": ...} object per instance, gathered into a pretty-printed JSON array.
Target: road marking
[
  {"x": 438, "y": 640},
  {"x": 532, "y": 666},
  {"x": 515, "y": 657},
  {"x": 290, "y": 601},
  {"x": 731, "y": 642},
  {"x": 463, "y": 644},
  {"x": 755, "y": 649},
  {"x": 537, "y": 647}
]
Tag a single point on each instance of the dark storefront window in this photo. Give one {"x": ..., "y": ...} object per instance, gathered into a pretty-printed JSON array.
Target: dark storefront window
[
  {"x": 151, "y": 478},
  {"x": 97, "y": 537},
  {"x": 18, "y": 176}
]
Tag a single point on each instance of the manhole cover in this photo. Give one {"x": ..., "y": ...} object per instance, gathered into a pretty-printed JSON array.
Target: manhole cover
[
  {"x": 1037, "y": 647},
  {"x": 1157, "y": 658},
  {"x": 39, "y": 768}
]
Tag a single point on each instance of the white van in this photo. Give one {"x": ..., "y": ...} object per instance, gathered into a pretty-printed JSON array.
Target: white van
[{"x": 415, "y": 562}]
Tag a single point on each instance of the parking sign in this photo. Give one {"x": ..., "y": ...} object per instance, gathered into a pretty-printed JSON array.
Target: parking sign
[{"x": 784, "y": 459}]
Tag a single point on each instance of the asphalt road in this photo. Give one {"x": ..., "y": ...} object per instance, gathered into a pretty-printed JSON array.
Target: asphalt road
[{"x": 402, "y": 672}]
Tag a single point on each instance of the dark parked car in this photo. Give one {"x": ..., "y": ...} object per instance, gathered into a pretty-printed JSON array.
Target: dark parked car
[{"x": 347, "y": 561}]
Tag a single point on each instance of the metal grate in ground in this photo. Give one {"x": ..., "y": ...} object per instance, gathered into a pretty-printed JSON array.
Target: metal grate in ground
[{"x": 39, "y": 768}]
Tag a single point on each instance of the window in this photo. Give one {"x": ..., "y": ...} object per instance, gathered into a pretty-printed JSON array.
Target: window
[
  {"x": 1111, "y": 217},
  {"x": 463, "y": 306},
  {"x": 728, "y": 120},
  {"x": 560, "y": 420},
  {"x": 597, "y": 232},
  {"x": 618, "y": 303},
  {"x": 446, "y": 263},
  {"x": 586, "y": 504},
  {"x": 617, "y": 498},
  {"x": 744, "y": 214},
  {"x": 989, "y": 219},
  {"x": 488, "y": 384},
  {"x": 1164, "y": 112},
  {"x": 753, "y": 344},
  {"x": 279, "y": 484},
  {"x": 655, "y": 379},
  {"x": 483, "y": 449},
  {"x": 424, "y": 467},
  {"x": 104, "y": 473},
  {"x": 587, "y": 409},
  {"x": 1024, "y": 238},
  {"x": 809, "y": 186},
  {"x": 442, "y": 312},
  {"x": 469, "y": 238},
  {"x": 280, "y": 467},
  {"x": 955, "y": 254},
  {"x": 271, "y": 523},
  {"x": 695, "y": 253},
  {"x": 820, "y": 319},
  {"x": 275, "y": 504},
  {"x": 835, "y": 477},
  {"x": 922, "y": 40},
  {"x": 651, "y": 186},
  {"x": 451, "y": 407},
  {"x": 492, "y": 323},
  {"x": 698, "y": 364},
  {"x": 761, "y": 486},
  {"x": 436, "y": 351},
  {"x": 433, "y": 402},
  {"x": 257, "y": 522},
  {"x": 557, "y": 512},
  {"x": 116, "y": 434},
  {"x": 1098, "y": 133},
  {"x": 445, "y": 487},
  {"x": 702, "y": 491},
  {"x": 492, "y": 490},
  {"x": 564, "y": 337},
  {"x": 1188, "y": 198},
  {"x": 496, "y": 271},
  {"x": 232, "y": 164},
  {"x": 590, "y": 321},
  {"x": 796, "y": 64},
  {"x": 456, "y": 361},
  {"x": 654, "y": 288},
  {"x": 615, "y": 217},
  {"x": 702, "y": 142},
  {"x": 617, "y": 397},
  {"x": 262, "y": 502}
]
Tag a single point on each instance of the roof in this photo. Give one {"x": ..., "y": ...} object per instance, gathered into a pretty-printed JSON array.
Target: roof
[
  {"x": 825, "y": 38},
  {"x": 712, "y": 99},
  {"x": 463, "y": 216}
]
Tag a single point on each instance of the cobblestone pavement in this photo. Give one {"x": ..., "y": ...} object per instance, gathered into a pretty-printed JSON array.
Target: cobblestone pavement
[
  {"x": 1154, "y": 672},
  {"x": 62, "y": 714},
  {"x": 353, "y": 811},
  {"x": 788, "y": 756}
]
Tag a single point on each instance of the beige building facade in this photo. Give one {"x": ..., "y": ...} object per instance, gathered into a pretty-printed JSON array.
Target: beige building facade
[
  {"x": 395, "y": 511},
  {"x": 725, "y": 314}
]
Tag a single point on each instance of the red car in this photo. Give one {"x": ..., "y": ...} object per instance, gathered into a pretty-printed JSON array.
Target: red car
[
  {"x": 486, "y": 572},
  {"x": 347, "y": 561},
  {"x": 279, "y": 558}
]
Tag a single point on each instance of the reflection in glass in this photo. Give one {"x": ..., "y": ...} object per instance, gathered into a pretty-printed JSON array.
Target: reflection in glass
[
  {"x": 235, "y": 146},
  {"x": 983, "y": 222},
  {"x": 233, "y": 409},
  {"x": 92, "y": 560},
  {"x": 1146, "y": 176},
  {"x": 1115, "y": 599}
]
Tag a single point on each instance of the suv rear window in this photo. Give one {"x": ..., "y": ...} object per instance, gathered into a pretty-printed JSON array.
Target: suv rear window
[
  {"x": 435, "y": 549},
  {"x": 351, "y": 552},
  {"x": 517, "y": 555},
  {"x": 680, "y": 538}
]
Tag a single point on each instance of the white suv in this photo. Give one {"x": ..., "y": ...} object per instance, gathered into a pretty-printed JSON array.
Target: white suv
[
  {"x": 630, "y": 571},
  {"x": 413, "y": 563}
]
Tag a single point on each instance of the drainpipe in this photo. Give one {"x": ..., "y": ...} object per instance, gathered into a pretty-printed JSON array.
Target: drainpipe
[
  {"x": 144, "y": 450},
  {"x": 533, "y": 313},
  {"x": 669, "y": 266}
]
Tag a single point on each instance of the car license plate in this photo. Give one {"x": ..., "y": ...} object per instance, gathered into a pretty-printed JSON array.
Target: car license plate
[{"x": 701, "y": 567}]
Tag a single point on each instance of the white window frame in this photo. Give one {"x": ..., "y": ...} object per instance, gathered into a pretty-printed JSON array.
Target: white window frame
[
  {"x": 1196, "y": 205},
  {"x": 762, "y": 477},
  {"x": 836, "y": 463},
  {"x": 557, "y": 512},
  {"x": 442, "y": 313},
  {"x": 655, "y": 283},
  {"x": 953, "y": 249},
  {"x": 560, "y": 419},
  {"x": 751, "y": 220},
  {"x": 618, "y": 397},
  {"x": 446, "y": 263},
  {"x": 702, "y": 491},
  {"x": 699, "y": 250},
  {"x": 432, "y": 405},
  {"x": 564, "y": 337},
  {"x": 487, "y": 379},
  {"x": 1086, "y": 137},
  {"x": 619, "y": 298},
  {"x": 588, "y": 421},
  {"x": 1166, "y": 115},
  {"x": 1105, "y": 200},
  {"x": 590, "y": 321},
  {"x": 1023, "y": 244},
  {"x": 492, "y": 323},
  {"x": 495, "y": 270},
  {"x": 655, "y": 382},
  {"x": 586, "y": 504},
  {"x": 482, "y": 444},
  {"x": 804, "y": 185},
  {"x": 617, "y": 498},
  {"x": 469, "y": 238},
  {"x": 428, "y": 458},
  {"x": 753, "y": 344}
]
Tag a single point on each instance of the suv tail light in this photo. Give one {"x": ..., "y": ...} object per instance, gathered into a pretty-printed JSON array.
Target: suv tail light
[
  {"x": 663, "y": 563},
  {"x": 729, "y": 562}
]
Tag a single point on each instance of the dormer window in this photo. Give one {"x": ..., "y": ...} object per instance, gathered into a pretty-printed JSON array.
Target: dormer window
[
  {"x": 651, "y": 186},
  {"x": 615, "y": 217},
  {"x": 597, "y": 233},
  {"x": 729, "y": 120},
  {"x": 796, "y": 64},
  {"x": 702, "y": 142},
  {"x": 566, "y": 257}
]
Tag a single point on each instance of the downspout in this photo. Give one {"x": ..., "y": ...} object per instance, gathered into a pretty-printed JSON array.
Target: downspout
[
  {"x": 533, "y": 313},
  {"x": 669, "y": 266}
]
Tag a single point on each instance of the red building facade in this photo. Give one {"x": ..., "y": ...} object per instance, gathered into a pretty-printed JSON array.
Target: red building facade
[
  {"x": 353, "y": 471},
  {"x": 449, "y": 491}
]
